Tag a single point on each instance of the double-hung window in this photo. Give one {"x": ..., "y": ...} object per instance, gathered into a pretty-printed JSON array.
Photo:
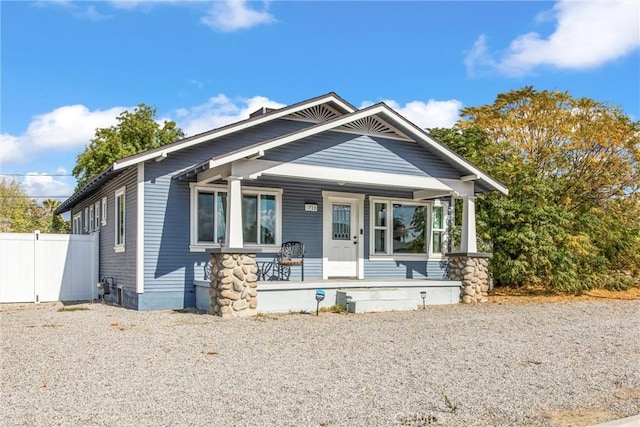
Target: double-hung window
[
  {"x": 77, "y": 224},
  {"x": 120, "y": 219},
  {"x": 104, "y": 211},
  {"x": 86, "y": 219},
  {"x": 91, "y": 214},
  {"x": 261, "y": 216},
  {"x": 407, "y": 228},
  {"x": 96, "y": 223},
  {"x": 211, "y": 216}
]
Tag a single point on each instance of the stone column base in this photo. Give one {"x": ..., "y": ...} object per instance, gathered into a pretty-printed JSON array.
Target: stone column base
[
  {"x": 472, "y": 269},
  {"x": 234, "y": 284}
]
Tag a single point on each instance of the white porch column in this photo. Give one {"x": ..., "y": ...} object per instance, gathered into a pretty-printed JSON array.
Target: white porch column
[
  {"x": 468, "y": 241},
  {"x": 234, "y": 213}
]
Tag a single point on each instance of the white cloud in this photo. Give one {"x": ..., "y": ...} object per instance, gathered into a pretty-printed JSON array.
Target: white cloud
[
  {"x": 219, "y": 111},
  {"x": 430, "y": 114},
  {"x": 588, "y": 34},
  {"x": 145, "y": 5},
  {"x": 43, "y": 184},
  {"x": 10, "y": 149},
  {"x": 222, "y": 15},
  {"x": 78, "y": 10},
  {"x": 68, "y": 127},
  {"x": 232, "y": 15}
]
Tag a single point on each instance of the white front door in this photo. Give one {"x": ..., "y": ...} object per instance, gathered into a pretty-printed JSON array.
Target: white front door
[{"x": 343, "y": 238}]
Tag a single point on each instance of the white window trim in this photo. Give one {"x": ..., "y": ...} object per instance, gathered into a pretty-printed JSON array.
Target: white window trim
[
  {"x": 430, "y": 255},
  {"x": 96, "y": 213},
  {"x": 104, "y": 211},
  {"x": 77, "y": 223},
  {"x": 86, "y": 219},
  {"x": 119, "y": 247},
  {"x": 91, "y": 218},
  {"x": 196, "y": 246}
]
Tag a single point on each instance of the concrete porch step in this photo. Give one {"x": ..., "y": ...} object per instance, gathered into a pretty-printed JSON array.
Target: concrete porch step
[
  {"x": 370, "y": 306},
  {"x": 372, "y": 300}
]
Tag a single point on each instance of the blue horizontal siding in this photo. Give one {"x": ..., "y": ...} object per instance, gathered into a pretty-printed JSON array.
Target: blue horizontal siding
[
  {"x": 363, "y": 152},
  {"x": 169, "y": 266}
]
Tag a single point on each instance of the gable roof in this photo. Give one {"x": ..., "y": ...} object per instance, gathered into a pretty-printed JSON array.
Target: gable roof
[
  {"x": 335, "y": 103},
  {"x": 378, "y": 116},
  {"x": 328, "y": 112}
]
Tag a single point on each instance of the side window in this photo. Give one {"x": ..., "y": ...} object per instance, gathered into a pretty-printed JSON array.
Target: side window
[
  {"x": 91, "y": 222},
  {"x": 104, "y": 211},
  {"x": 96, "y": 222},
  {"x": 120, "y": 219},
  {"x": 77, "y": 224}
]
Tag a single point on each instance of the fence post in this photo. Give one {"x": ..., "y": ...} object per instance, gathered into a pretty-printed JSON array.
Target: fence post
[{"x": 36, "y": 239}]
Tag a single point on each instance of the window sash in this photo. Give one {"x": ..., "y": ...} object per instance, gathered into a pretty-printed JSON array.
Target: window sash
[
  {"x": 104, "y": 211},
  {"x": 260, "y": 216},
  {"x": 96, "y": 211},
  {"x": 120, "y": 217},
  {"x": 77, "y": 224},
  {"x": 216, "y": 205},
  {"x": 91, "y": 221},
  {"x": 411, "y": 232},
  {"x": 437, "y": 229}
]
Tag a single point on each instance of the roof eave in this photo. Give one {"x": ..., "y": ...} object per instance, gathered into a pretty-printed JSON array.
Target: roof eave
[{"x": 86, "y": 189}]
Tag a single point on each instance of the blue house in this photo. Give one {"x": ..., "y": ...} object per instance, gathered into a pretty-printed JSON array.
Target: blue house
[{"x": 368, "y": 193}]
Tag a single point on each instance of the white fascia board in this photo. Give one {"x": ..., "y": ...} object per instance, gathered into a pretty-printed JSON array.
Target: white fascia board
[
  {"x": 231, "y": 129},
  {"x": 253, "y": 168}
]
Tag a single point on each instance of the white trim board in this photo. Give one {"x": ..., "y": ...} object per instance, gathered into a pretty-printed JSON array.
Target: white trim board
[
  {"x": 253, "y": 169},
  {"x": 140, "y": 230}
]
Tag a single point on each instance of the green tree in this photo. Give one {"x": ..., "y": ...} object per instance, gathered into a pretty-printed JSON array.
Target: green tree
[
  {"x": 21, "y": 214},
  {"x": 54, "y": 223},
  {"x": 571, "y": 219},
  {"x": 135, "y": 132}
]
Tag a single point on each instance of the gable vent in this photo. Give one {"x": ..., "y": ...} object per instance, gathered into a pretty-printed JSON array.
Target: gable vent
[
  {"x": 373, "y": 126},
  {"x": 317, "y": 114}
]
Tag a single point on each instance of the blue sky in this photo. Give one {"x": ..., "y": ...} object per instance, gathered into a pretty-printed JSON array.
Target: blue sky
[{"x": 70, "y": 67}]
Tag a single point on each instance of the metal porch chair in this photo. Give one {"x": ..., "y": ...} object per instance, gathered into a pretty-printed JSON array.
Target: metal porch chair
[{"x": 291, "y": 254}]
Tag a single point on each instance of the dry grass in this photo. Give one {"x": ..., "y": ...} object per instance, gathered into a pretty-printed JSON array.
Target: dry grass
[{"x": 533, "y": 294}]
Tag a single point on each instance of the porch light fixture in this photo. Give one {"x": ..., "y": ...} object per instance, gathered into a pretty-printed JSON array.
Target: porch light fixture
[
  {"x": 348, "y": 298},
  {"x": 319, "y": 297},
  {"x": 423, "y": 294}
]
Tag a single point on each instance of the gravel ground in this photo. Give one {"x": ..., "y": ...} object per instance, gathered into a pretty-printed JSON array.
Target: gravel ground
[{"x": 485, "y": 365}]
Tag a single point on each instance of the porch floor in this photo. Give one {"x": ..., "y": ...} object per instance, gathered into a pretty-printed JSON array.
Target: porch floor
[{"x": 368, "y": 294}]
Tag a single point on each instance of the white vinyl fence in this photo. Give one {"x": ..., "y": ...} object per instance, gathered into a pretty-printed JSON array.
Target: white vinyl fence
[{"x": 48, "y": 267}]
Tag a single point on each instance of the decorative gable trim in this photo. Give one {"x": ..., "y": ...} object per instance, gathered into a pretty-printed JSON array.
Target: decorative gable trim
[
  {"x": 374, "y": 111},
  {"x": 375, "y": 126},
  {"x": 315, "y": 114}
]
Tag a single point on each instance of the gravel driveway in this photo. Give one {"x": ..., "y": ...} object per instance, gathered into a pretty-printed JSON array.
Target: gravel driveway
[{"x": 491, "y": 364}]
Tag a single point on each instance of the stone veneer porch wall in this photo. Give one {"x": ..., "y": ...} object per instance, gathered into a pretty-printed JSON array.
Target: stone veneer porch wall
[
  {"x": 472, "y": 269},
  {"x": 234, "y": 284}
]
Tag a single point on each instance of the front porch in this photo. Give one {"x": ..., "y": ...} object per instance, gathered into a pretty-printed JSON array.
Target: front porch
[{"x": 370, "y": 295}]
